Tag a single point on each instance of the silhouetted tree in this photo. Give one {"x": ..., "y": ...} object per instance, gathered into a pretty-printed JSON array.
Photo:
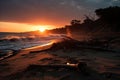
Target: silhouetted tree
[
  {"x": 110, "y": 14},
  {"x": 75, "y": 22},
  {"x": 57, "y": 31},
  {"x": 88, "y": 20}
]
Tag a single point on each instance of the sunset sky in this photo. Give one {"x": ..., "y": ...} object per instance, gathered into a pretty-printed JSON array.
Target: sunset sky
[{"x": 30, "y": 15}]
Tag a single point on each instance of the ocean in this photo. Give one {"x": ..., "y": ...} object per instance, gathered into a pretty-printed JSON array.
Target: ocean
[{"x": 17, "y": 41}]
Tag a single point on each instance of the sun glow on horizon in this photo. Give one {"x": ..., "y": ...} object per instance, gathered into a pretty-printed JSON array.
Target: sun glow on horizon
[
  {"x": 22, "y": 27},
  {"x": 42, "y": 29}
]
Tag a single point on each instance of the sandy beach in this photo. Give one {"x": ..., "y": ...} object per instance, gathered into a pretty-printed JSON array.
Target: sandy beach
[
  {"x": 101, "y": 65},
  {"x": 59, "y": 39}
]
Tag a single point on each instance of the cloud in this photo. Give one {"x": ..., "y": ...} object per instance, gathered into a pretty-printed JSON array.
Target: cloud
[{"x": 49, "y": 11}]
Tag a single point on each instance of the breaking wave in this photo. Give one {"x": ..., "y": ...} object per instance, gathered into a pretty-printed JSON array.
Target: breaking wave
[{"x": 17, "y": 42}]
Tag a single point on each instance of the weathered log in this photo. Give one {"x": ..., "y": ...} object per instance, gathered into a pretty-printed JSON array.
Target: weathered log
[{"x": 80, "y": 67}]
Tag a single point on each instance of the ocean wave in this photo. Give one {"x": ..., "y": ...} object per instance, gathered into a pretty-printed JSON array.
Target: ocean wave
[
  {"x": 17, "y": 38},
  {"x": 17, "y": 42}
]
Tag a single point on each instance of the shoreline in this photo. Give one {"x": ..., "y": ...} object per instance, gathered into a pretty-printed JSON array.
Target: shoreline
[
  {"x": 53, "y": 46},
  {"x": 34, "y": 48},
  {"x": 41, "y": 47}
]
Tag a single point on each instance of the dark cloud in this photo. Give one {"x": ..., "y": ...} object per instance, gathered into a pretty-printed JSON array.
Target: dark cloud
[{"x": 49, "y": 11}]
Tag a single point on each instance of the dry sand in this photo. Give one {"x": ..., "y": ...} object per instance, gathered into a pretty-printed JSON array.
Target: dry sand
[{"x": 102, "y": 65}]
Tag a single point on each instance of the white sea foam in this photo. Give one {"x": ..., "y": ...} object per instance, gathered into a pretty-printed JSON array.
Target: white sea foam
[{"x": 17, "y": 42}]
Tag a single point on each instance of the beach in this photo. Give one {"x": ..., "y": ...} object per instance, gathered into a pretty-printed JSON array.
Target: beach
[
  {"x": 59, "y": 39},
  {"x": 101, "y": 65}
]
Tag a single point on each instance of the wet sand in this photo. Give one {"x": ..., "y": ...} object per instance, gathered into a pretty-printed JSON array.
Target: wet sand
[{"x": 101, "y": 65}]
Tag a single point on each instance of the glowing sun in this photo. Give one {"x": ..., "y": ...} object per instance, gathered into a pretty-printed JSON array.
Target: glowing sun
[{"x": 42, "y": 29}]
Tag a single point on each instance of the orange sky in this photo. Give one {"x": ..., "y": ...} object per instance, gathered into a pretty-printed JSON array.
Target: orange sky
[
  {"x": 30, "y": 15},
  {"x": 21, "y": 27}
]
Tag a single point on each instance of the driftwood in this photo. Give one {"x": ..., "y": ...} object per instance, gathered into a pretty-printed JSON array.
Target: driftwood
[
  {"x": 80, "y": 67},
  {"x": 50, "y": 66}
]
